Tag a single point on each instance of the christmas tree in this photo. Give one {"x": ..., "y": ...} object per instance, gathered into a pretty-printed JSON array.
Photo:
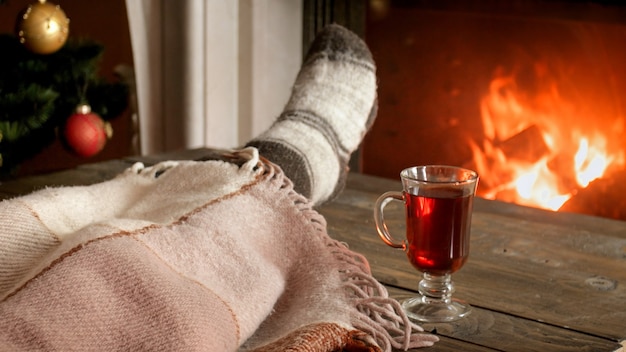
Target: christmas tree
[{"x": 39, "y": 92}]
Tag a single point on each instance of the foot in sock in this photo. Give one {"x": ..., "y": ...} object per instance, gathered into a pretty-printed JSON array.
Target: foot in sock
[{"x": 332, "y": 105}]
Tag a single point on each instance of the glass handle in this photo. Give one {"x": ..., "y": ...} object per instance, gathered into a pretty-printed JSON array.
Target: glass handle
[{"x": 379, "y": 218}]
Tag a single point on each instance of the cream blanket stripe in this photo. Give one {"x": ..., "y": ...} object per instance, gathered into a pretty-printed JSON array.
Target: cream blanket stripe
[{"x": 186, "y": 256}]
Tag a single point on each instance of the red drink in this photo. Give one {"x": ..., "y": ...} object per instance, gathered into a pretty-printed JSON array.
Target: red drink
[
  {"x": 438, "y": 227},
  {"x": 438, "y": 201}
]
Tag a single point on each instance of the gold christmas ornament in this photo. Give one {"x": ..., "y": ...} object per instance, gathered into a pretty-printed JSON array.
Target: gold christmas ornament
[{"x": 43, "y": 27}]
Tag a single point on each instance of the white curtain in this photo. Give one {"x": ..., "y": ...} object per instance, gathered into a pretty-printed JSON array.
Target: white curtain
[{"x": 211, "y": 73}]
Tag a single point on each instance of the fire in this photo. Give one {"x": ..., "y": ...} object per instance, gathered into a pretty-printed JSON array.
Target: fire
[
  {"x": 537, "y": 188},
  {"x": 590, "y": 162},
  {"x": 532, "y": 153}
]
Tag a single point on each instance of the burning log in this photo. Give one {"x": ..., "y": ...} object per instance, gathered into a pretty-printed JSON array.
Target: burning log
[
  {"x": 603, "y": 197},
  {"x": 528, "y": 145}
]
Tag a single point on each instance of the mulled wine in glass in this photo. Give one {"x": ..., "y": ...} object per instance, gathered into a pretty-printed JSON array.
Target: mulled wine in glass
[{"x": 438, "y": 201}]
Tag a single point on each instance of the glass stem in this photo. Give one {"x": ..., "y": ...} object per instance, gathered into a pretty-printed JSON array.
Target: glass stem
[{"x": 436, "y": 288}]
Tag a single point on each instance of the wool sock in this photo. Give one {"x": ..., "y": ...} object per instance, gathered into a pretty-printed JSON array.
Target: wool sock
[{"x": 332, "y": 105}]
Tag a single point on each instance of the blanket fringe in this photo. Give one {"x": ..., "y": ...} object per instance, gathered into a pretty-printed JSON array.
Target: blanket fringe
[{"x": 376, "y": 314}]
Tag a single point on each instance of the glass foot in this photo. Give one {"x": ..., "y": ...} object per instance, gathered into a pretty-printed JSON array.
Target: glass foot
[{"x": 424, "y": 310}]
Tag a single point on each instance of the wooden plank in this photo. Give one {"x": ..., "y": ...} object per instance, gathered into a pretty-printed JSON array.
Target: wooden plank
[
  {"x": 190, "y": 154},
  {"x": 87, "y": 174},
  {"x": 82, "y": 175},
  {"x": 488, "y": 330},
  {"x": 378, "y": 185},
  {"x": 447, "y": 344},
  {"x": 562, "y": 272}
]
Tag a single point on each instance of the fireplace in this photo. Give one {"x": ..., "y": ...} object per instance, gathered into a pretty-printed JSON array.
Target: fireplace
[{"x": 531, "y": 94}]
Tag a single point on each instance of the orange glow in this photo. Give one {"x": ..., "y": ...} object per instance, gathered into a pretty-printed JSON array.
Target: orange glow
[{"x": 533, "y": 153}]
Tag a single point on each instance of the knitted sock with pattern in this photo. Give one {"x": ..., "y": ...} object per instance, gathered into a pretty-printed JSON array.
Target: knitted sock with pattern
[{"x": 332, "y": 105}]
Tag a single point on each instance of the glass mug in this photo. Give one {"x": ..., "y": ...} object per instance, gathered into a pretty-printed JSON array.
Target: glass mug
[{"x": 438, "y": 202}]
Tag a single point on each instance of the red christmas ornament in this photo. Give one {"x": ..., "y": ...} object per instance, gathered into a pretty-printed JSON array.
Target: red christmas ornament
[{"x": 85, "y": 132}]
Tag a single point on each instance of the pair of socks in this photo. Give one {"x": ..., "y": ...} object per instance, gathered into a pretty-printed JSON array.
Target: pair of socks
[{"x": 332, "y": 105}]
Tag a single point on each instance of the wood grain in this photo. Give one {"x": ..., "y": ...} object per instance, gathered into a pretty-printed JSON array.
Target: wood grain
[
  {"x": 504, "y": 332},
  {"x": 562, "y": 271}
]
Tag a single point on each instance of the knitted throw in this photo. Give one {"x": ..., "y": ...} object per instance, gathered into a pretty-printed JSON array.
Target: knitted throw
[{"x": 187, "y": 256}]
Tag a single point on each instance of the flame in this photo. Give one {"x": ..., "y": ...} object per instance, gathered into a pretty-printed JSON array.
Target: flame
[
  {"x": 590, "y": 163},
  {"x": 537, "y": 187},
  {"x": 563, "y": 158}
]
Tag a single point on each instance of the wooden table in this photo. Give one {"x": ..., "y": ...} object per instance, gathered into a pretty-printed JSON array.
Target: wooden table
[{"x": 538, "y": 280}]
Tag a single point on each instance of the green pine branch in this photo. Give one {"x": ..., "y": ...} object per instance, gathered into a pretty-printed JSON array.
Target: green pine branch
[
  {"x": 39, "y": 92},
  {"x": 25, "y": 110}
]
